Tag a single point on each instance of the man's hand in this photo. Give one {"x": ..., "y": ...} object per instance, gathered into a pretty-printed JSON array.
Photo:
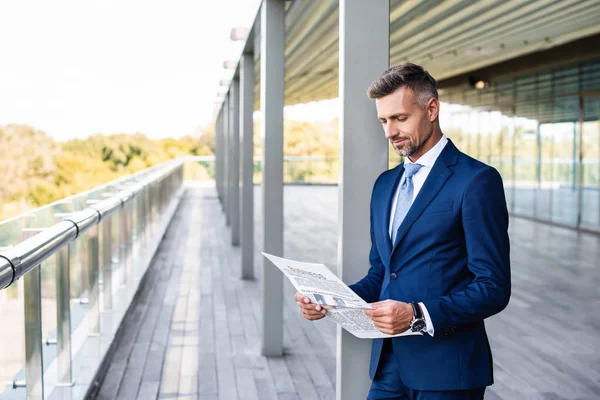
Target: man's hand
[
  {"x": 310, "y": 311},
  {"x": 390, "y": 316}
]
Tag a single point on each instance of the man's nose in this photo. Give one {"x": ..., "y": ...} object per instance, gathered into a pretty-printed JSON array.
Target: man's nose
[{"x": 390, "y": 131}]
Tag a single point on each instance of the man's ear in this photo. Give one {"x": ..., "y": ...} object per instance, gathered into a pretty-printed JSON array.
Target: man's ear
[{"x": 433, "y": 109}]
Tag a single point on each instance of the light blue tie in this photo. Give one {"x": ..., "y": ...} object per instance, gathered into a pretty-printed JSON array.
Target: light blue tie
[{"x": 405, "y": 196}]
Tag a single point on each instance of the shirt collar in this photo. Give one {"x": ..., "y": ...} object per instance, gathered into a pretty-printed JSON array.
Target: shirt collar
[{"x": 429, "y": 158}]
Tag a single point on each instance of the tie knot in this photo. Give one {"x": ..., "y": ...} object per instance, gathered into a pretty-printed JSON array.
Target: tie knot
[{"x": 411, "y": 169}]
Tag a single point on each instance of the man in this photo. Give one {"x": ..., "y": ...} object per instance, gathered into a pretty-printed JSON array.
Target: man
[{"x": 439, "y": 256}]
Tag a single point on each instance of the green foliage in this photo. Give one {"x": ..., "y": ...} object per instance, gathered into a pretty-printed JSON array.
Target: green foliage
[{"x": 36, "y": 170}]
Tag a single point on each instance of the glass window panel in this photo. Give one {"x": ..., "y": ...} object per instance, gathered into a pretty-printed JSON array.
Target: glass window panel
[
  {"x": 526, "y": 110},
  {"x": 504, "y": 92},
  {"x": 485, "y": 136},
  {"x": 565, "y": 197},
  {"x": 590, "y": 168},
  {"x": 487, "y": 98},
  {"x": 590, "y": 76},
  {"x": 590, "y": 109},
  {"x": 545, "y": 187},
  {"x": 507, "y": 169},
  {"x": 526, "y": 165},
  {"x": 566, "y": 81},
  {"x": 544, "y": 111},
  {"x": 526, "y": 88},
  {"x": 544, "y": 85},
  {"x": 566, "y": 109},
  {"x": 456, "y": 129},
  {"x": 472, "y": 130},
  {"x": 472, "y": 97}
]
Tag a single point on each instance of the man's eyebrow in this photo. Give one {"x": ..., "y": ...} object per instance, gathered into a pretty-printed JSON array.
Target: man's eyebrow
[{"x": 394, "y": 116}]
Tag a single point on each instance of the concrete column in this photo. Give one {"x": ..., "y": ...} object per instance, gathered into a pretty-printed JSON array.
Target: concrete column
[
  {"x": 272, "y": 43},
  {"x": 247, "y": 135},
  {"x": 235, "y": 162},
  {"x": 218, "y": 155},
  {"x": 222, "y": 154},
  {"x": 364, "y": 55},
  {"x": 226, "y": 158}
]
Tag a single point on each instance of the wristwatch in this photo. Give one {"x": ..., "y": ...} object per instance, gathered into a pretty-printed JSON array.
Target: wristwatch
[{"x": 418, "y": 322}]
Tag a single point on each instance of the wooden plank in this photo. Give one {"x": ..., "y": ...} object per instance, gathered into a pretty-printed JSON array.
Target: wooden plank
[{"x": 195, "y": 313}]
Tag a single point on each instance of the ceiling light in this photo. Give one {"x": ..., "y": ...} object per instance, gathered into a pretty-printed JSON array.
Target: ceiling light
[{"x": 480, "y": 85}]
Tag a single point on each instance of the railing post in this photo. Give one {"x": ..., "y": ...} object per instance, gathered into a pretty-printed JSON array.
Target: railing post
[
  {"x": 81, "y": 255},
  {"x": 130, "y": 209},
  {"x": 141, "y": 230},
  {"x": 34, "y": 362},
  {"x": 147, "y": 215},
  {"x": 63, "y": 312},
  {"x": 106, "y": 266},
  {"x": 123, "y": 253},
  {"x": 93, "y": 289},
  {"x": 107, "y": 258}
]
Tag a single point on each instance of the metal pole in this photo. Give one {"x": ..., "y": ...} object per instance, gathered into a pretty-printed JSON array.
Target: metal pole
[
  {"x": 63, "y": 311},
  {"x": 247, "y": 133},
  {"x": 227, "y": 136},
  {"x": 106, "y": 265},
  {"x": 123, "y": 257},
  {"x": 218, "y": 156},
  {"x": 81, "y": 254},
  {"x": 127, "y": 266},
  {"x": 34, "y": 363},
  {"x": 94, "y": 292},
  {"x": 364, "y": 55},
  {"x": 235, "y": 162},
  {"x": 143, "y": 217},
  {"x": 221, "y": 156},
  {"x": 272, "y": 43}
]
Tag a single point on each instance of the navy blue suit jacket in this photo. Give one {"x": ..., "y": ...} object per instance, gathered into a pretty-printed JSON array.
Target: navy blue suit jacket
[{"x": 452, "y": 254}]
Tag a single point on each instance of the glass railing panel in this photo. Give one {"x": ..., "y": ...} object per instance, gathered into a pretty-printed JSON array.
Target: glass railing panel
[
  {"x": 12, "y": 339},
  {"x": 121, "y": 289}
]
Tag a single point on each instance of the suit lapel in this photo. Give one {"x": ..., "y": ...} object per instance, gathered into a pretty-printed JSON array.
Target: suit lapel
[
  {"x": 437, "y": 177},
  {"x": 388, "y": 195}
]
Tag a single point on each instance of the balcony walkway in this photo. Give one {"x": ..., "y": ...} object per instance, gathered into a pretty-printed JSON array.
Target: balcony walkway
[{"x": 193, "y": 331}]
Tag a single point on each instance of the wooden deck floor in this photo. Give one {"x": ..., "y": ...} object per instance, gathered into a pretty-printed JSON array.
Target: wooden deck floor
[{"x": 193, "y": 330}]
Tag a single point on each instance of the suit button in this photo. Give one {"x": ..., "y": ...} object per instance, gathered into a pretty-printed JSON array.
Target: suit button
[{"x": 393, "y": 276}]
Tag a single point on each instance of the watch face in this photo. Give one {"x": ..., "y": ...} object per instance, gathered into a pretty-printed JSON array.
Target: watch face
[{"x": 418, "y": 325}]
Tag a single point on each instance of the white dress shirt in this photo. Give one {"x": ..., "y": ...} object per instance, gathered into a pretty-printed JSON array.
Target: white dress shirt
[{"x": 426, "y": 160}]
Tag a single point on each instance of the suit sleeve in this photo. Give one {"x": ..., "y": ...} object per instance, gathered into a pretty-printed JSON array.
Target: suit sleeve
[
  {"x": 485, "y": 224},
  {"x": 369, "y": 287}
]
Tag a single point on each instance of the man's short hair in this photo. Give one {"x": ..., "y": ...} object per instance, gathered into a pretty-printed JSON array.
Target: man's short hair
[{"x": 408, "y": 75}]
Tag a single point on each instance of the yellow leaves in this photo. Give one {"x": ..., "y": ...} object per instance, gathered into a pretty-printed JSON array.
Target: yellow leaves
[{"x": 35, "y": 170}]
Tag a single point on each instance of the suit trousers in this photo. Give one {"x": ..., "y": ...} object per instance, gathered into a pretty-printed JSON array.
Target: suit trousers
[{"x": 387, "y": 383}]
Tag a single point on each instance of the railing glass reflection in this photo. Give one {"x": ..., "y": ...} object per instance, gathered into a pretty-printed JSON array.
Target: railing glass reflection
[{"x": 84, "y": 284}]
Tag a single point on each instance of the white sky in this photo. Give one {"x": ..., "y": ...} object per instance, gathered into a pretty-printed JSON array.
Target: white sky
[{"x": 72, "y": 68}]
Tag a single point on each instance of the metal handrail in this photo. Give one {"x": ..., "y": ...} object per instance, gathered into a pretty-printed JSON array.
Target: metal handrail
[{"x": 25, "y": 256}]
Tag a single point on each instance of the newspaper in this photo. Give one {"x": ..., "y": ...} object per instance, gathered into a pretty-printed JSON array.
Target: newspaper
[{"x": 322, "y": 286}]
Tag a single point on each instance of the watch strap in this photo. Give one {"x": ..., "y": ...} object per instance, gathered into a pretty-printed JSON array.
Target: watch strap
[{"x": 417, "y": 314}]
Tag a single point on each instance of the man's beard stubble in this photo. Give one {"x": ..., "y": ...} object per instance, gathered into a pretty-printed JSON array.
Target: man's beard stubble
[{"x": 411, "y": 149}]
